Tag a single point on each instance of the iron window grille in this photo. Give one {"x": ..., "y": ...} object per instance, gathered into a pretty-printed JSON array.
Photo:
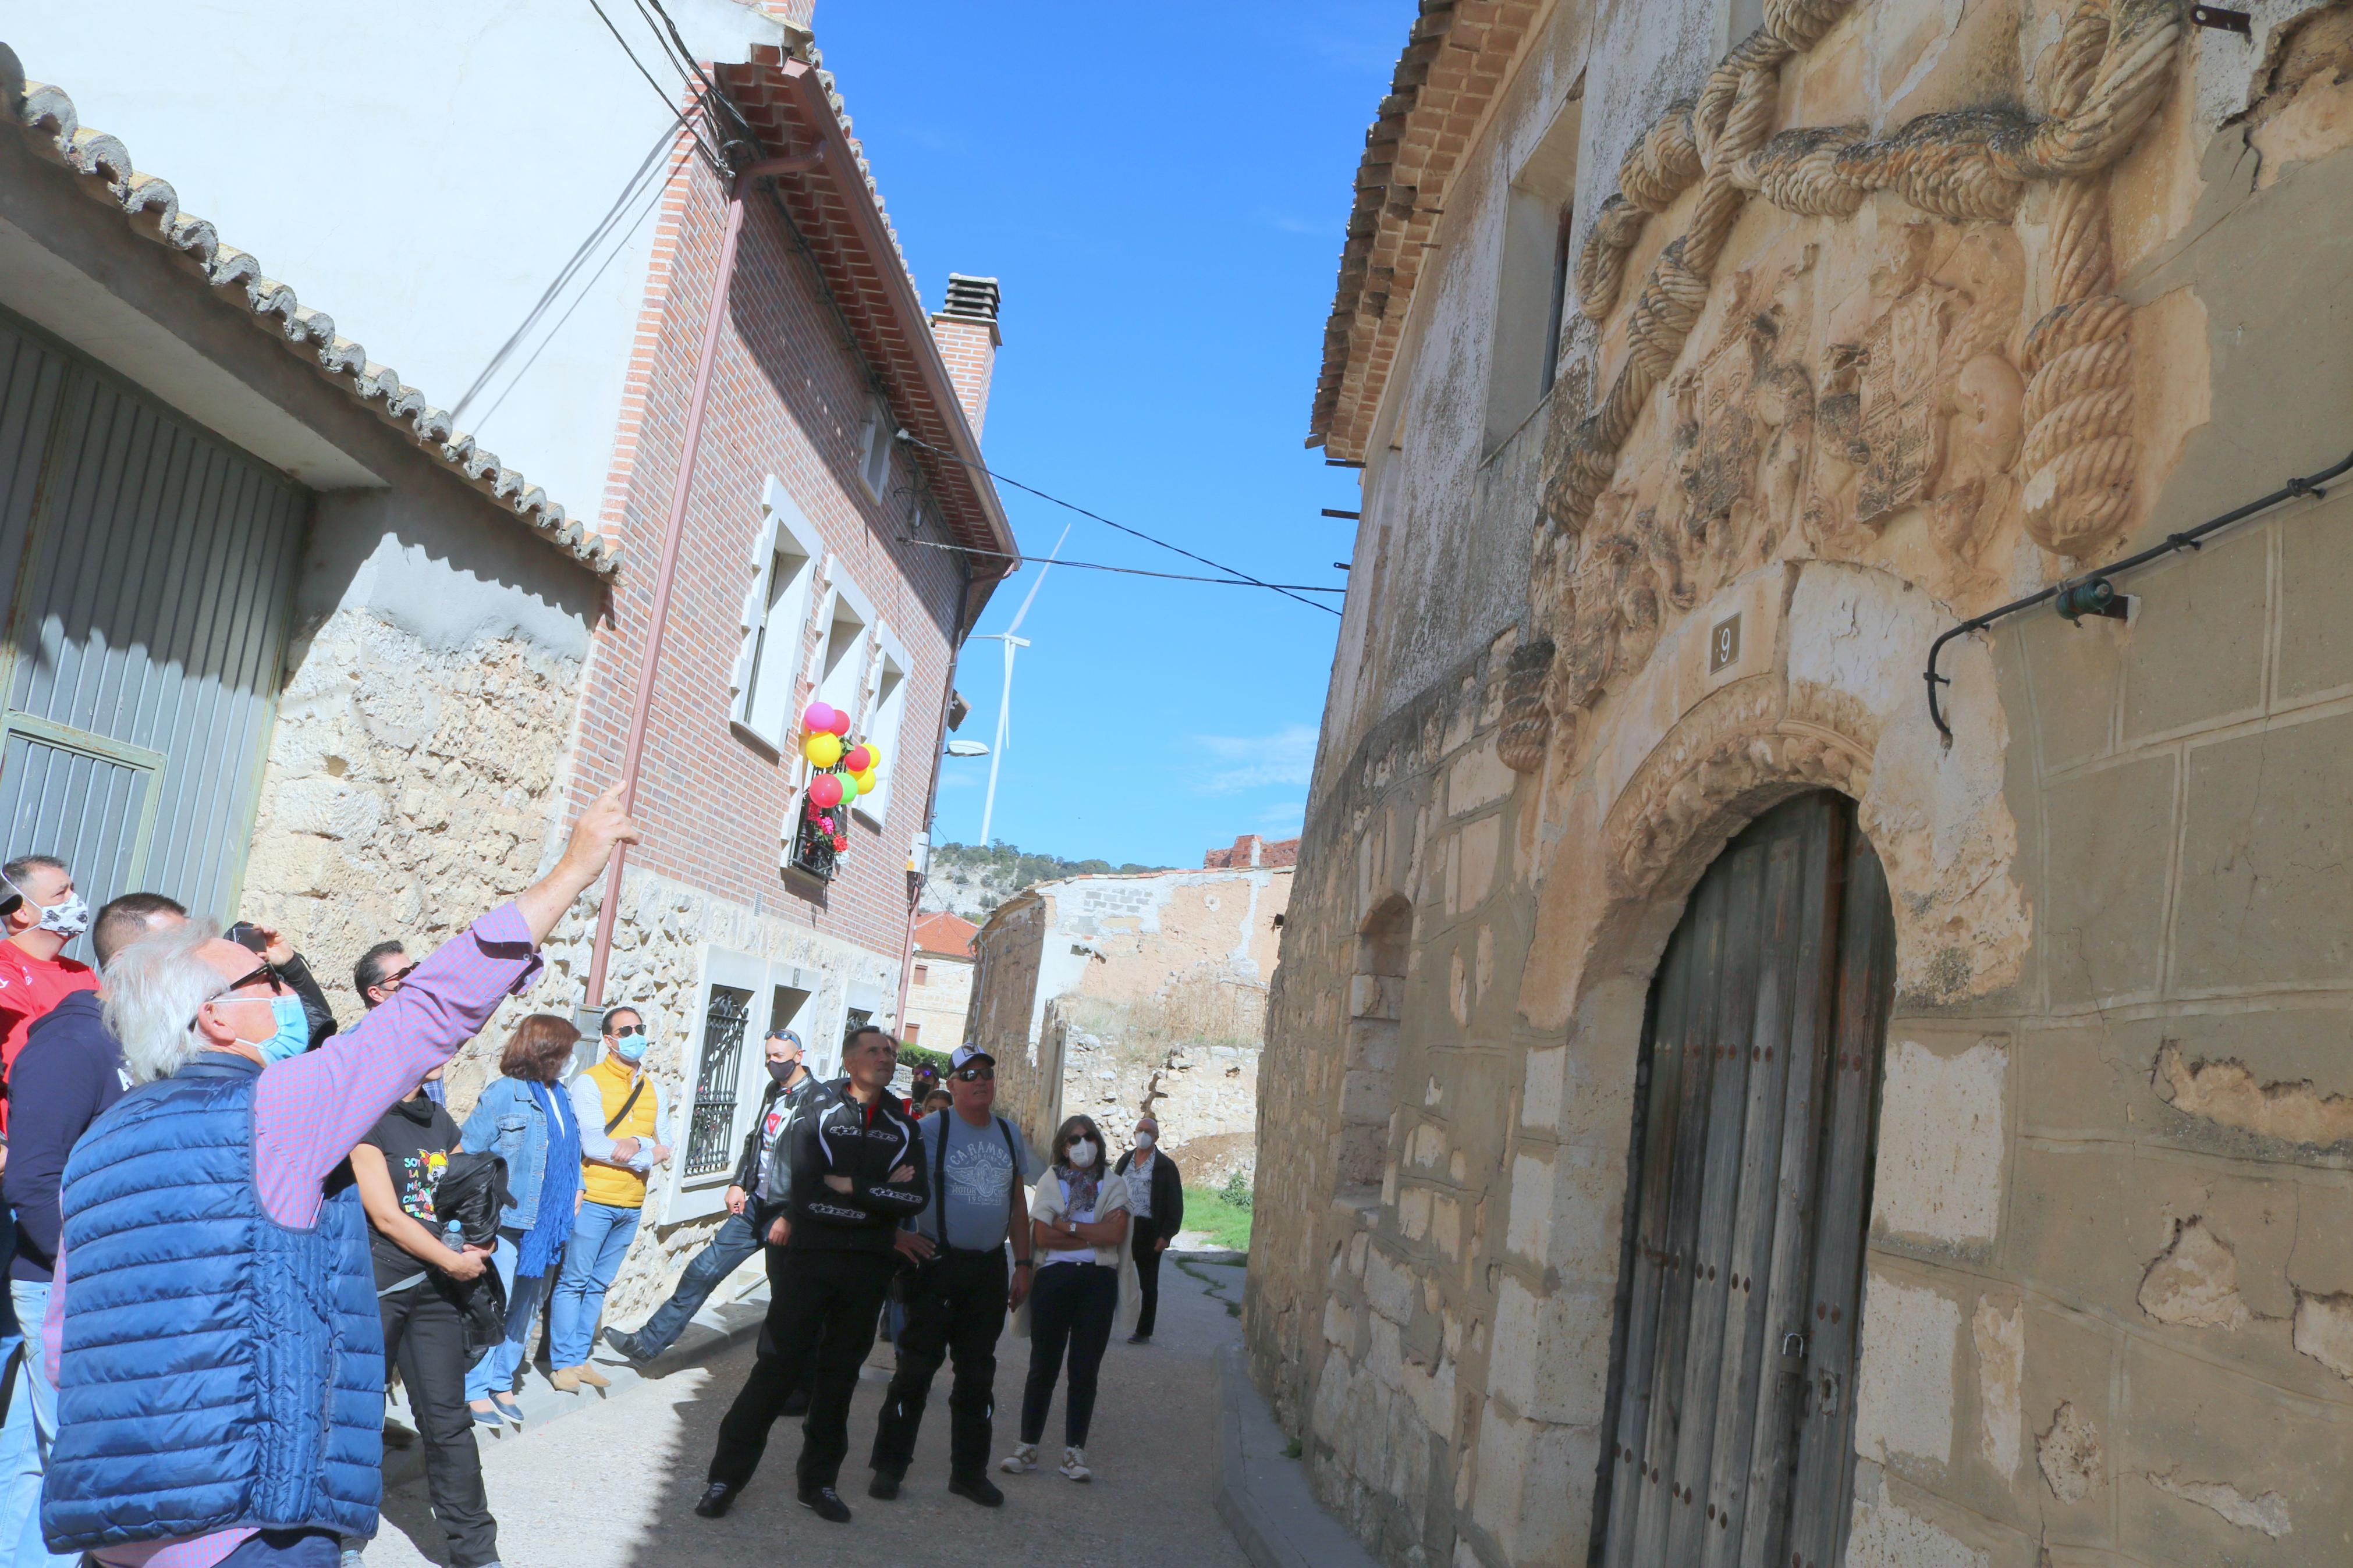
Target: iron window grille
[
  {"x": 710, "y": 1138},
  {"x": 813, "y": 851}
]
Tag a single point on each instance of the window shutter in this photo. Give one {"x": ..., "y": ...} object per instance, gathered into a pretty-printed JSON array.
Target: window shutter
[{"x": 753, "y": 619}]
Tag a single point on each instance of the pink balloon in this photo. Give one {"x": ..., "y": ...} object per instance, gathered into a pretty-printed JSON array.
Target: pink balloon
[
  {"x": 840, "y": 725},
  {"x": 826, "y": 790},
  {"x": 819, "y": 716}
]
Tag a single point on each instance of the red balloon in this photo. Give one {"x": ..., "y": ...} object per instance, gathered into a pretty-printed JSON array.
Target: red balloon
[
  {"x": 824, "y": 791},
  {"x": 840, "y": 725},
  {"x": 858, "y": 759}
]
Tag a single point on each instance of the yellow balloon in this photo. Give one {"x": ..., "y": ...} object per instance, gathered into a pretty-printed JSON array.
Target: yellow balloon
[
  {"x": 866, "y": 781},
  {"x": 822, "y": 749},
  {"x": 873, "y": 756}
]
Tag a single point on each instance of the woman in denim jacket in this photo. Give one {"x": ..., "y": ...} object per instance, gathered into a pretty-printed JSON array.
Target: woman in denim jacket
[{"x": 527, "y": 1120}]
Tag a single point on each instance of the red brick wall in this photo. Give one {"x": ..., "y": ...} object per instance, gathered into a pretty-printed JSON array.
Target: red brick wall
[
  {"x": 969, "y": 347},
  {"x": 788, "y": 397}
]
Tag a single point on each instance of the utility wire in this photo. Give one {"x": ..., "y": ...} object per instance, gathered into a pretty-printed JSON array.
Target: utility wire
[
  {"x": 1129, "y": 571},
  {"x": 693, "y": 67},
  {"x": 654, "y": 160},
  {"x": 718, "y": 165},
  {"x": 1073, "y": 506}
]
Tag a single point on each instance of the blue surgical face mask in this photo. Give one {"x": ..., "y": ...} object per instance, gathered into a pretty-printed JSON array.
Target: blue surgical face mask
[
  {"x": 293, "y": 1035},
  {"x": 631, "y": 1046}
]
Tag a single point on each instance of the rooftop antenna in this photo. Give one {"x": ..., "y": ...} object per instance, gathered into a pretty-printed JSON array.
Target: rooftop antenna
[{"x": 1005, "y": 703}]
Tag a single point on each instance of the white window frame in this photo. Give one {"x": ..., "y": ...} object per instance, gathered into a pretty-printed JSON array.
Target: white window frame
[
  {"x": 886, "y": 713},
  {"x": 843, "y": 683},
  {"x": 775, "y": 621},
  {"x": 874, "y": 451},
  {"x": 699, "y": 1198}
]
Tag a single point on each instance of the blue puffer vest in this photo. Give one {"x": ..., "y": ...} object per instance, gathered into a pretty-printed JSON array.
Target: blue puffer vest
[{"x": 219, "y": 1369}]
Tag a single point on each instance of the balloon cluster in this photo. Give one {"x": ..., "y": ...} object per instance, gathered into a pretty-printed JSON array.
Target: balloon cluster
[{"x": 844, "y": 772}]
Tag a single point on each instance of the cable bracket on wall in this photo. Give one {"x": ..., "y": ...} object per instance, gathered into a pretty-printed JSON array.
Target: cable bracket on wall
[{"x": 2093, "y": 594}]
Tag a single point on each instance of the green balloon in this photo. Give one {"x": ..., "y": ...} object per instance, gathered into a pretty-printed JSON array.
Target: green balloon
[{"x": 849, "y": 788}]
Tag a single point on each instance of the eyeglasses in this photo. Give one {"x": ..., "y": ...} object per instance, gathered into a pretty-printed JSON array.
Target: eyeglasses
[
  {"x": 974, "y": 1075},
  {"x": 266, "y": 973},
  {"x": 632, "y": 1029}
]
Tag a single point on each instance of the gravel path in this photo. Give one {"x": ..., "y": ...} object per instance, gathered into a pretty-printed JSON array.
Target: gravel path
[{"x": 614, "y": 1484}]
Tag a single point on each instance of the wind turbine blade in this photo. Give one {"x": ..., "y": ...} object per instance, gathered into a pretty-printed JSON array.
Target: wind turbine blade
[{"x": 1021, "y": 614}]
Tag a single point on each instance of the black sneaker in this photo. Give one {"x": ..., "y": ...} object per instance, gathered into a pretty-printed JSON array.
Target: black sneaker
[
  {"x": 979, "y": 1488},
  {"x": 716, "y": 1500},
  {"x": 826, "y": 1503},
  {"x": 628, "y": 1345},
  {"x": 884, "y": 1485},
  {"x": 1131, "y": 1338}
]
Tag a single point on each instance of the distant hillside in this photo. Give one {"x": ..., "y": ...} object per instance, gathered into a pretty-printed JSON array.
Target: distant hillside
[{"x": 970, "y": 880}]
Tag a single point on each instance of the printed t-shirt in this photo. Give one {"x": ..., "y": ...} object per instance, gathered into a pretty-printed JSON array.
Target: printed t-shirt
[
  {"x": 978, "y": 1182},
  {"x": 29, "y": 988},
  {"x": 415, "y": 1137},
  {"x": 1139, "y": 1184}
]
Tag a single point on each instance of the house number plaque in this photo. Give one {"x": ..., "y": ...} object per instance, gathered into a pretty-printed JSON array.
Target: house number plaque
[{"x": 1724, "y": 644}]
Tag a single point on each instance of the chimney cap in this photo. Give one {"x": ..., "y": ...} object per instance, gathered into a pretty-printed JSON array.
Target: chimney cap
[{"x": 975, "y": 298}]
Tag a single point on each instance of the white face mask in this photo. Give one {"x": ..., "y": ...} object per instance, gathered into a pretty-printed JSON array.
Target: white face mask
[
  {"x": 1145, "y": 1140},
  {"x": 69, "y": 917},
  {"x": 1083, "y": 1153}
]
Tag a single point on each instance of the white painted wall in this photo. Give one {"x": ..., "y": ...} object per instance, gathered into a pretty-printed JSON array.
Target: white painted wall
[{"x": 420, "y": 172}]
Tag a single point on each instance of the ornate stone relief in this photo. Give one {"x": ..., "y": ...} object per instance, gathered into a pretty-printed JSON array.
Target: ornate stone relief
[{"x": 1920, "y": 403}]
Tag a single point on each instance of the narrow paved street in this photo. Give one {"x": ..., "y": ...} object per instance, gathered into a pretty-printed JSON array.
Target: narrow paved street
[{"x": 614, "y": 1487}]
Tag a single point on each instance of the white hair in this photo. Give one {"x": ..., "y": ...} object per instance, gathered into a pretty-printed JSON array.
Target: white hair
[{"x": 153, "y": 988}]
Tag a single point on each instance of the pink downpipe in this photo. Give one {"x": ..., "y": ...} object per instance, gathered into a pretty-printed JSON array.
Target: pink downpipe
[{"x": 673, "y": 533}]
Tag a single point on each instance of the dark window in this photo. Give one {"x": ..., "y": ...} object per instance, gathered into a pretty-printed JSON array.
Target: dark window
[
  {"x": 711, "y": 1135},
  {"x": 1559, "y": 303}
]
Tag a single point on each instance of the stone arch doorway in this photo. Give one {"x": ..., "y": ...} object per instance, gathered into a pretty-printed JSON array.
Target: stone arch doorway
[{"x": 1731, "y": 1420}]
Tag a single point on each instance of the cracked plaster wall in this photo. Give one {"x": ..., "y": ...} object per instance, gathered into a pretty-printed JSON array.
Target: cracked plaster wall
[{"x": 2111, "y": 1308}]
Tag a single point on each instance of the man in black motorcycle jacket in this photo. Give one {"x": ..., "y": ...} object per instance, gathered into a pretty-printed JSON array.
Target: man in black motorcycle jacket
[{"x": 857, "y": 1173}]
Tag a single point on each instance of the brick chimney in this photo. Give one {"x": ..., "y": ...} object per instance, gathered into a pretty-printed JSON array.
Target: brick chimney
[{"x": 965, "y": 330}]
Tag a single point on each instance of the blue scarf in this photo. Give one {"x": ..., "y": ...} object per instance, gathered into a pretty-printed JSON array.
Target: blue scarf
[{"x": 551, "y": 1227}]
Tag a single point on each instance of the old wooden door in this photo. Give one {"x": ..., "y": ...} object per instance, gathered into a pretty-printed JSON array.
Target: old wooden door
[{"x": 1732, "y": 1389}]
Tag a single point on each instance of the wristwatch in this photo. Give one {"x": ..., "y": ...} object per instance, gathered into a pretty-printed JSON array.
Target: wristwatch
[{"x": 1020, "y": 1263}]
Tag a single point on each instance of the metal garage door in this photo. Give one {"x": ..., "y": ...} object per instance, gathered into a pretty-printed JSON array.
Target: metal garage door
[
  {"x": 147, "y": 569},
  {"x": 1731, "y": 1440}
]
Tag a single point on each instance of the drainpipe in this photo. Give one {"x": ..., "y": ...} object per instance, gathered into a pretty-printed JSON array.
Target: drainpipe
[{"x": 658, "y": 620}]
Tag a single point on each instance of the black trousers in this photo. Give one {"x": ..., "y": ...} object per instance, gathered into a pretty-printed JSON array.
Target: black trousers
[
  {"x": 955, "y": 1306},
  {"x": 1144, "y": 1238},
  {"x": 424, "y": 1336},
  {"x": 822, "y": 1310},
  {"x": 1071, "y": 1308}
]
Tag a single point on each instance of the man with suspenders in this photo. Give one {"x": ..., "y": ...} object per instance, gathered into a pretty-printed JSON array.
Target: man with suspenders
[{"x": 961, "y": 1287}]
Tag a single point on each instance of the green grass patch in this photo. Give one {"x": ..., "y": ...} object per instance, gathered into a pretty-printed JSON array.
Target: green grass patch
[{"x": 1227, "y": 1224}]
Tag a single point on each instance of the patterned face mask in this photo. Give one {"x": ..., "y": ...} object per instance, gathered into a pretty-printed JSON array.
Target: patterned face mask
[{"x": 69, "y": 917}]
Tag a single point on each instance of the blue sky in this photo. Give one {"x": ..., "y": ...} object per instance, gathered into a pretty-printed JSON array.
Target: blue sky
[{"x": 1162, "y": 191}]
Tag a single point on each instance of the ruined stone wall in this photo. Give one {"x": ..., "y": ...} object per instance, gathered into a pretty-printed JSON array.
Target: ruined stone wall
[
  {"x": 2105, "y": 1318},
  {"x": 1140, "y": 993},
  {"x": 937, "y": 1001}
]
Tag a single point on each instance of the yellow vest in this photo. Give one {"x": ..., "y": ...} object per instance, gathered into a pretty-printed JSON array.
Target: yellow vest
[{"x": 619, "y": 1189}]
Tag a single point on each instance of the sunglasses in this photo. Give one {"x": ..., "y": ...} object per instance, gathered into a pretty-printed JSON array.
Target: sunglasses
[
  {"x": 397, "y": 975},
  {"x": 634, "y": 1030},
  {"x": 266, "y": 973},
  {"x": 976, "y": 1075}
]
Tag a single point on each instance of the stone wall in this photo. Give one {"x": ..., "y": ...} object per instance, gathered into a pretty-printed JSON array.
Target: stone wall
[
  {"x": 938, "y": 998},
  {"x": 1112, "y": 995},
  {"x": 2102, "y": 1321}
]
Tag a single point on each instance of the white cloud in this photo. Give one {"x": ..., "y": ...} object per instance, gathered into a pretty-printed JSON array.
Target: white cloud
[
  {"x": 1283, "y": 820},
  {"x": 1285, "y": 757}
]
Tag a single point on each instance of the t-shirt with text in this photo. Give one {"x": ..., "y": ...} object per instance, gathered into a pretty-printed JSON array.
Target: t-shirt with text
[
  {"x": 415, "y": 1137},
  {"x": 977, "y": 1180}
]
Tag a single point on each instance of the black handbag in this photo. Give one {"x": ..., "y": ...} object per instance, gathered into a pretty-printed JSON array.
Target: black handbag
[{"x": 472, "y": 1195}]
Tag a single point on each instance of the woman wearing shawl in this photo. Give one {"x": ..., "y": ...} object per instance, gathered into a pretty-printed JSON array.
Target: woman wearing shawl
[
  {"x": 527, "y": 1122},
  {"x": 1078, "y": 1220}
]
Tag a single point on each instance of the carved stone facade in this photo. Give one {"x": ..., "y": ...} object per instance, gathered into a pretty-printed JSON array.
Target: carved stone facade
[{"x": 1890, "y": 313}]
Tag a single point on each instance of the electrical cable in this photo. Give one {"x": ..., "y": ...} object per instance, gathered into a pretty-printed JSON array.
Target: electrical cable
[
  {"x": 718, "y": 165},
  {"x": 663, "y": 142},
  {"x": 1139, "y": 533},
  {"x": 1020, "y": 561},
  {"x": 693, "y": 68}
]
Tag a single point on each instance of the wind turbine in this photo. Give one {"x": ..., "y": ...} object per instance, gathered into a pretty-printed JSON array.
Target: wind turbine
[{"x": 1005, "y": 703}]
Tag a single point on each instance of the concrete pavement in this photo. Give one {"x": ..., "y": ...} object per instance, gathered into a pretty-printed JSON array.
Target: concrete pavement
[{"x": 613, "y": 1484}]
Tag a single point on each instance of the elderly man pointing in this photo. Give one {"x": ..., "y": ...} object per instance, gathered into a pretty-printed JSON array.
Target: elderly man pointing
[{"x": 220, "y": 1385}]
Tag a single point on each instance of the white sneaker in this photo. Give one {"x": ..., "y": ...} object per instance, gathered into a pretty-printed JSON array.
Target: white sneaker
[
  {"x": 1022, "y": 1461},
  {"x": 1074, "y": 1466}
]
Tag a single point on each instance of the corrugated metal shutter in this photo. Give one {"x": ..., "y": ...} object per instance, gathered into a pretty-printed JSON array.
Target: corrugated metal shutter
[
  {"x": 1731, "y": 1433},
  {"x": 149, "y": 567}
]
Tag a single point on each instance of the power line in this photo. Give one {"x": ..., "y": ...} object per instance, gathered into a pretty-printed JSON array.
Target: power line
[
  {"x": 1129, "y": 571},
  {"x": 691, "y": 66},
  {"x": 1073, "y": 506},
  {"x": 571, "y": 268},
  {"x": 718, "y": 164}
]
